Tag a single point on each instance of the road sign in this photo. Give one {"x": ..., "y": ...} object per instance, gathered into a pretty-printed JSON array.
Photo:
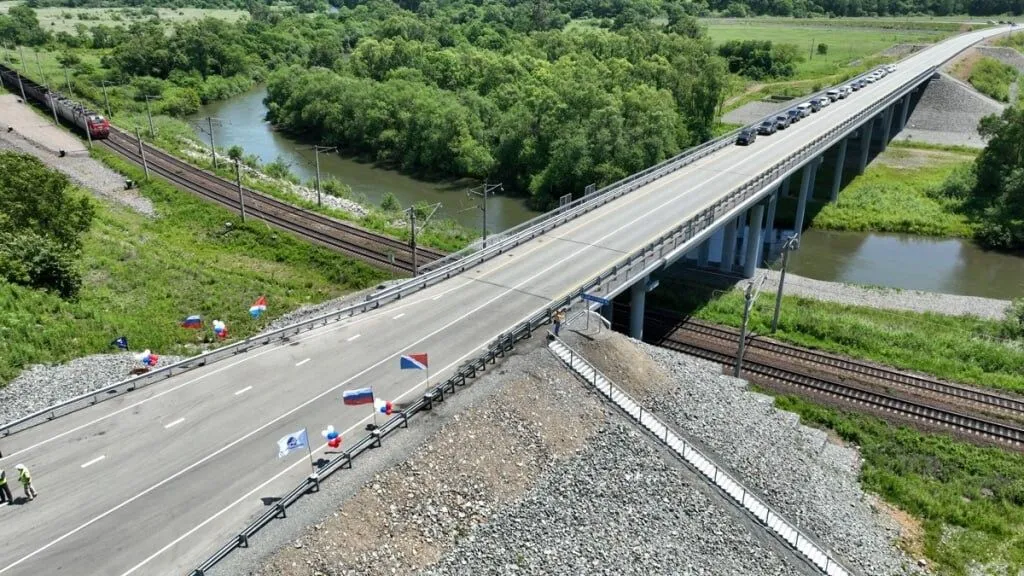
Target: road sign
[{"x": 593, "y": 298}]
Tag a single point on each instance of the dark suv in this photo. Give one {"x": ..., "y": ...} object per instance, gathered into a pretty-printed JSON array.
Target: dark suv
[
  {"x": 782, "y": 120},
  {"x": 746, "y": 136},
  {"x": 794, "y": 115},
  {"x": 766, "y": 128}
]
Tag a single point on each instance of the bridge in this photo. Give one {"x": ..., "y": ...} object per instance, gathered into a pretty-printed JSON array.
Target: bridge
[{"x": 152, "y": 481}]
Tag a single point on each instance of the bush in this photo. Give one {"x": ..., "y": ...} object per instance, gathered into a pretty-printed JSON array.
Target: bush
[
  {"x": 389, "y": 203},
  {"x": 822, "y": 49},
  {"x": 993, "y": 78}
]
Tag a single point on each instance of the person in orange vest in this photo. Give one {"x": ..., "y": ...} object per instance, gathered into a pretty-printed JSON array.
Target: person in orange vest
[
  {"x": 26, "y": 481},
  {"x": 5, "y": 492}
]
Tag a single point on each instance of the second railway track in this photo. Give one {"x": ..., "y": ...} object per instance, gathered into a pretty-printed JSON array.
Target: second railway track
[{"x": 349, "y": 239}]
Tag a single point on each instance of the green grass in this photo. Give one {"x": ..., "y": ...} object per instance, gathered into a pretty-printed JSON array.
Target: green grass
[
  {"x": 993, "y": 78},
  {"x": 143, "y": 275},
  {"x": 895, "y": 197},
  {"x": 970, "y": 500},
  {"x": 957, "y": 348},
  {"x": 1015, "y": 40},
  {"x": 846, "y": 44}
]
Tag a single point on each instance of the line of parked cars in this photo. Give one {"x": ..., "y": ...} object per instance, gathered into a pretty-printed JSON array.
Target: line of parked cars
[{"x": 783, "y": 120}]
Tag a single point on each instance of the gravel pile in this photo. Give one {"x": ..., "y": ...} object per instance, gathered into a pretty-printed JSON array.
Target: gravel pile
[
  {"x": 948, "y": 113},
  {"x": 799, "y": 472},
  {"x": 886, "y": 298},
  {"x": 40, "y": 386},
  {"x": 83, "y": 171},
  {"x": 619, "y": 507}
]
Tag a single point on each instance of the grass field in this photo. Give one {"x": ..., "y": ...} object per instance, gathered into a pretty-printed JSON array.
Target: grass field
[
  {"x": 65, "y": 19},
  {"x": 899, "y": 193},
  {"x": 143, "y": 275},
  {"x": 969, "y": 500},
  {"x": 957, "y": 348},
  {"x": 846, "y": 44}
]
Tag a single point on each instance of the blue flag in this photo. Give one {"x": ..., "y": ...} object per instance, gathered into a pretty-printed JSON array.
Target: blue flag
[{"x": 121, "y": 342}]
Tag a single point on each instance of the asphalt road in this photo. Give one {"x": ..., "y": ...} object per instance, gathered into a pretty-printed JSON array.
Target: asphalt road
[{"x": 153, "y": 481}]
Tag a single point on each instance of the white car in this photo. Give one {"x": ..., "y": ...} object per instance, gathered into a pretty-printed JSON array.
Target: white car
[
  {"x": 890, "y": 69},
  {"x": 870, "y": 79},
  {"x": 824, "y": 101}
]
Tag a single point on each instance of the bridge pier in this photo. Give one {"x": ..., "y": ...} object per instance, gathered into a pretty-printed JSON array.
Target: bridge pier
[
  {"x": 608, "y": 311},
  {"x": 837, "y": 178},
  {"x": 703, "y": 253},
  {"x": 728, "y": 247},
  {"x": 886, "y": 126},
  {"x": 784, "y": 187},
  {"x": 905, "y": 111},
  {"x": 753, "y": 244},
  {"x": 637, "y": 300},
  {"x": 769, "y": 225},
  {"x": 865, "y": 144},
  {"x": 806, "y": 187}
]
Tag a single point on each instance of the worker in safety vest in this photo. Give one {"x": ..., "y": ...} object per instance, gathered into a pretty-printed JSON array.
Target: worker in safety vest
[
  {"x": 26, "y": 480},
  {"x": 5, "y": 492}
]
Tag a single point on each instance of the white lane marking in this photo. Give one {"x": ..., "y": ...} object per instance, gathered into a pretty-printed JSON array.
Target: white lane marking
[
  {"x": 303, "y": 362},
  {"x": 175, "y": 423},
  {"x": 93, "y": 461},
  {"x": 243, "y": 390},
  {"x": 353, "y": 338},
  {"x": 438, "y": 297},
  {"x": 399, "y": 316}
]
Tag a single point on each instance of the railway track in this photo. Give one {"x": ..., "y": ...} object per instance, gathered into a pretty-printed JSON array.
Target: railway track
[
  {"x": 936, "y": 417},
  {"x": 346, "y": 238}
]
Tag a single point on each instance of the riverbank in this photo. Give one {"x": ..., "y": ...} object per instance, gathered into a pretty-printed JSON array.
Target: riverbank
[{"x": 966, "y": 349}]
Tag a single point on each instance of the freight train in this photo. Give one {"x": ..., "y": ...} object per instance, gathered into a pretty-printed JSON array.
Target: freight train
[{"x": 76, "y": 114}]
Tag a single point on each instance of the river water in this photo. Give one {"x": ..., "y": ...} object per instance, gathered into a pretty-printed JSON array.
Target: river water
[
  {"x": 900, "y": 261},
  {"x": 240, "y": 121}
]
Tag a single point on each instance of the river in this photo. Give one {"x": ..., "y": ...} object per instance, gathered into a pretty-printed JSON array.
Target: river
[
  {"x": 900, "y": 261},
  {"x": 240, "y": 121}
]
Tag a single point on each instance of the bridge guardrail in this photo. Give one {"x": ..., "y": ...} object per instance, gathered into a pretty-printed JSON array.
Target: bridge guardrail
[
  {"x": 755, "y": 504},
  {"x": 373, "y": 301}
]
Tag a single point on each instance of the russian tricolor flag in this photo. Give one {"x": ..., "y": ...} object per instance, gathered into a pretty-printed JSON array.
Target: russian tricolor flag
[
  {"x": 194, "y": 321},
  {"x": 258, "y": 307},
  {"x": 357, "y": 397},
  {"x": 414, "y": 362}
]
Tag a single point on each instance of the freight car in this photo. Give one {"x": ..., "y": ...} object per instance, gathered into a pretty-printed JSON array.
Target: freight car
[{"x": 70, "y": 111}]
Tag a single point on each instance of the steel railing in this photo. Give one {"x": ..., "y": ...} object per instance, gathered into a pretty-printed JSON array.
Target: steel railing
[
  {"x": 747, "y": 500},
  {"x": 373, "y": 301}
]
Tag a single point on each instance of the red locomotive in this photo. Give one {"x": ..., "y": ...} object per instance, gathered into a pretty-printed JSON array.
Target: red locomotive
[{"x": 85, "y": 119}]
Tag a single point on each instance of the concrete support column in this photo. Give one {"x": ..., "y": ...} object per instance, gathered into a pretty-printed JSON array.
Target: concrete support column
[
  {"x": 637, "y": 299},
  {"x": 607, "y": 311},
  {"x": 837, "y": 178},
  {"x": 703, "y": 252},
  {"x": 769, "y": 226},
  {"x": 886, "y": 125},
  {"x": 865, "y": 144},
  {"x": 753, "y": 246},
  {"x": 806, "y": 187},
  {"x": 904, "y": 112},
  {"x": 784, "y": 187},
  {"x": 729, "y": 246}
]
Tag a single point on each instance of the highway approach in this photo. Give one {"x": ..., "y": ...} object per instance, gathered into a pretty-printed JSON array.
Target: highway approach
[{"x": 151, "y": 482}]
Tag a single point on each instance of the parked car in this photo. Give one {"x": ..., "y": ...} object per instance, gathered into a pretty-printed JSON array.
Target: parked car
[
  {"x": 857, "y": 85},
  {"x": 815, "y": 105},
  {"x": 746, "y": 136},
  {"x": 870, "y": 79},
  {"x": 832, "y": 95},
  {"x": 766, "y": 128},
  {"x": 782, "y": 121},
  {"x": 805, "y": 109},
  {"x": 845, "y": 91},
  {"x": 824, "y": 101},
  {"x": 890, "y": 69},
  {"x": 794, "y": 115}
]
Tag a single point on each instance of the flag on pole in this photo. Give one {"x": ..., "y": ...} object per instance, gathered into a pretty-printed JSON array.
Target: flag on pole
[
  {"x": 357, "y": 397},
  {"x": 258, "y": 307},
  {"x": 194, "y": 322},
  {"x": 383, "y": 407},
  {"x": 220, "y": 329},
  {"x": 292, "y": 442},
  {"x": 147, "y": 358},
  {"x": 413, "y": 361},
  {"x": 121, "y": 342}
]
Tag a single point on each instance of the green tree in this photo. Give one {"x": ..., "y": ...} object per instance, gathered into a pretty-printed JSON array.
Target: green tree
[{"x": 999, "y": 192}]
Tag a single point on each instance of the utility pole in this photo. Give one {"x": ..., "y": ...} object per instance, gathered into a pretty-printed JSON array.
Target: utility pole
[
  {"x": 149, "y": 113},
  {"x": 142, "y": 152},
  {"x": 40, "y": 67},
  {"x": 106, "y": 101},
  {"x": 238, "y": 181},
  {"x": 24, "y": 67},
  {"x": 316, "y": 152},
  {"x": 485, "y": 191},
  {"x": 213, "y": 148},
  {"x": 811, "y": 57},
  {"x": 53, "y": 104},
  {"x": 791, "y": 243},
  {"x": 411, "y": 210},
  {"x": 67, "y": 80},
  {"x": 749, "y": 297}
]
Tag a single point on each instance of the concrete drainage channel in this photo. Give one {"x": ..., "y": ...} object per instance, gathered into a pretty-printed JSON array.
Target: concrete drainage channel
[{"x": 816, "y": 554}]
